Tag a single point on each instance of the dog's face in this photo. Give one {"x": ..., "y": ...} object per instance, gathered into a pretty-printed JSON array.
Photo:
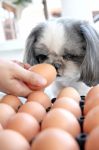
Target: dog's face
[{"x": 71, "y": 46}]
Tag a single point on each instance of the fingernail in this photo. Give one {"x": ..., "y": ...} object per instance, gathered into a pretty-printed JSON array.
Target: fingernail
[
  {"x": 39, "y": 79},
  {"x": 42, "y": 81}
]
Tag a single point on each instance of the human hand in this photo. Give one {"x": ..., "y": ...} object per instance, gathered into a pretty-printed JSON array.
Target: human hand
[
  {"x": 14, "y": 78},
  {"x": 24, "y": 65}
]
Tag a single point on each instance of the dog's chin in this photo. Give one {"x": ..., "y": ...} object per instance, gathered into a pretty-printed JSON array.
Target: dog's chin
[
  {"x": 62, "y": 82},
  {"x": 65, "y": 81},
  {"x": 53, "y": 89}
]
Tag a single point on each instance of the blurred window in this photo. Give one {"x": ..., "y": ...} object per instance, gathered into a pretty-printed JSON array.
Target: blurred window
[
  {"x": 8, "y": 21},
  {"x": 95, "y": 16}
]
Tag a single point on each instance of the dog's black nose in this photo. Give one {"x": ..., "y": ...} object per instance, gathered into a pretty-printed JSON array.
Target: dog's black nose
[{"x": 57, "y": 66}]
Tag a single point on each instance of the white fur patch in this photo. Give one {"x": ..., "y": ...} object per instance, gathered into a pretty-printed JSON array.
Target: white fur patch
[{"x": 53, "y": 36}]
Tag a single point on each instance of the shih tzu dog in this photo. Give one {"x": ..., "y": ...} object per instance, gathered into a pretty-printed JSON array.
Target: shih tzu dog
[{"x": 72, "y": 47}]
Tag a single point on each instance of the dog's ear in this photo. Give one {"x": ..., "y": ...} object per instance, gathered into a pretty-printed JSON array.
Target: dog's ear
[
  {"x": 90, "y": 65},
  {"x": 34, "y": 36}
]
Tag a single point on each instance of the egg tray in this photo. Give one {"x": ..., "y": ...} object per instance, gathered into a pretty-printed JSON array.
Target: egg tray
[{"x": 81, "y": 138}]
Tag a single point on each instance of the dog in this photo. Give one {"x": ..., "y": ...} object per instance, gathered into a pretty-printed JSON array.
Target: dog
[{"x": 72, "y": 47}]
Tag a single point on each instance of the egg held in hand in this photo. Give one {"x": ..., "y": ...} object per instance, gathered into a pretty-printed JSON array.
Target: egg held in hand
[{"x": 45, "y": 70}]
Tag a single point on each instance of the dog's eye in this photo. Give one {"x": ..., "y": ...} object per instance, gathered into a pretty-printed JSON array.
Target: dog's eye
[
  {"x": 75, "y": 58},
  {"x": 40, "y": 58},
  {"x": 67, "y": 57}
]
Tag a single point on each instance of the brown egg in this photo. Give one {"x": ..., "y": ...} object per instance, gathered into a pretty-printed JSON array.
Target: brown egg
[
  {"x": 47, "y": 71},
  {"x": 6, "y": 112},
  {"x": 91, "y": 120},
  {"x": 92, "y": 142},
  {"x": 54, "y": 139},
  {"x": 90, "y": 105},
  {"x": 11, "y": 140},
  {"x": 35, "y": 109},
  {"x": 40, "y": 97},
  {"x": 93, "y": 94},
  {"x": 12, "y": 100},
  {"x": 1, "y": 127},
  {"x": 68, "y": 104},
  {"x": 69, "y": 92},
  {"x": 24, "y": 124},
  {"x": 63, "y": 119}
]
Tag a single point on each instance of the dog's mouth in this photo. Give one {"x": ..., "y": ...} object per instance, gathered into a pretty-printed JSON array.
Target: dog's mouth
[{"x": 58, "y": 75}]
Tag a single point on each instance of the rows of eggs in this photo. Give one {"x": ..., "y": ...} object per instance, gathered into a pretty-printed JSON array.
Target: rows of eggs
[{"x": 67, "y": 122}]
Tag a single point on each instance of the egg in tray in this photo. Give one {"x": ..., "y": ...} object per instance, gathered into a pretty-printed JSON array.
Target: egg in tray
[{"x": 67, "y": 122}]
